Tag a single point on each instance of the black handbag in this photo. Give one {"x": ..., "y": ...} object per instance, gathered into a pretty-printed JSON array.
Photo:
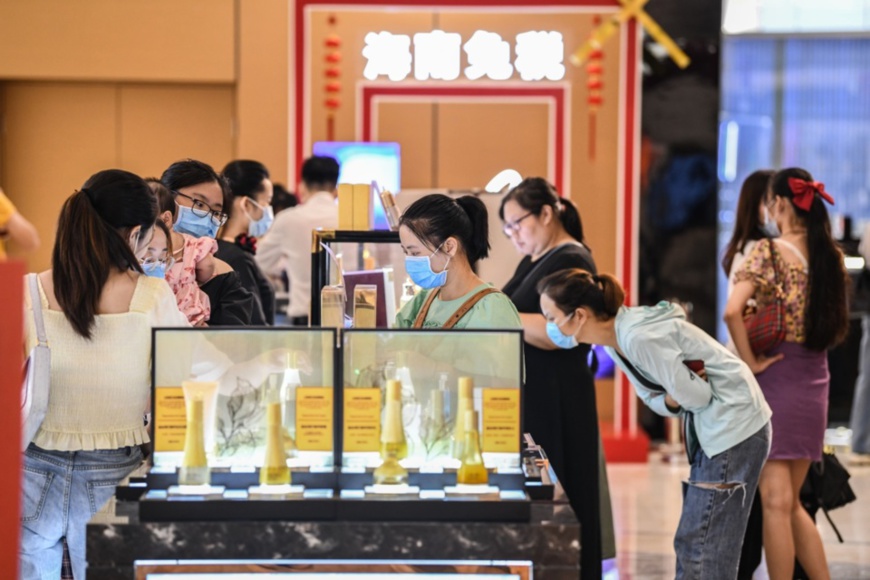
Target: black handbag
[{"x": 826, "y": 488}]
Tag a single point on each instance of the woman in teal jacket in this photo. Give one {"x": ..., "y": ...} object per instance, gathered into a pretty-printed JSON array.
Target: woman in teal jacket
[{"x": 679, "y": 371}]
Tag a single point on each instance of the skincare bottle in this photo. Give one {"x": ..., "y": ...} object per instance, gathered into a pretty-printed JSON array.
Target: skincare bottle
[
  {"x": 472, "y": 471},
  {"x": 465, "y": 403},
  {"x": 365, "y": 303},
  {"x": 194, "y": 467},
  {"x": 274, "y": 470},
  {"x": 290, "y": 381},
  {"x": 390, "y": 210},
  {"x": 393, "y": 444}
]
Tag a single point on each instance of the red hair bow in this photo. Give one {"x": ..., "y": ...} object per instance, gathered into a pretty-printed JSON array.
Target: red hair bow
[{"x": 805, "y": 191}]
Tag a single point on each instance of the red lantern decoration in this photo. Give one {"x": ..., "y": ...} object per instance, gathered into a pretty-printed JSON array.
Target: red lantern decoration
[
  {"x": 332, "y": 87},
  {"x": 595, "y": 86}
]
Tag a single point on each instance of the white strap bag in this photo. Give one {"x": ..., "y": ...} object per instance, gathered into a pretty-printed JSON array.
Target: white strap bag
[{"x": 37, "y": 373}]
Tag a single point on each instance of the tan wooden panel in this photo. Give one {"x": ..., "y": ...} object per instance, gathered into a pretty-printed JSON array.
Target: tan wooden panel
[
  {"x": 181, "y": 40},
  {"x": 410, "y": 125},
  {"x": 57, "y": 135},
  {"x": 476, "y": 140},
  {"x": 263, "y": 105},
  {"x": 160, "y": 124}
]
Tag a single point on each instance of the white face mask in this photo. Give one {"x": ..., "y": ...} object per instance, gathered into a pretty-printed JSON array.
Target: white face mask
[{"x": 769, "y": 227}]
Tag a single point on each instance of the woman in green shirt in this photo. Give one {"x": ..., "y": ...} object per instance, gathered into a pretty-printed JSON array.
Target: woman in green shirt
[{"x": 442, "y": 238}]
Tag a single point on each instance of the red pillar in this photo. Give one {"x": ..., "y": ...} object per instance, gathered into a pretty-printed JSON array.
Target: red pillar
[{"x": 11, "y": 361}]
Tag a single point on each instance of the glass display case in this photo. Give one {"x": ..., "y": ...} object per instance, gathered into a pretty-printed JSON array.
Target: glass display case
[
  {"x": 246, "y": 419},
  {"x": 258, "y": 387},
  {"x": 439, "y": 376}
]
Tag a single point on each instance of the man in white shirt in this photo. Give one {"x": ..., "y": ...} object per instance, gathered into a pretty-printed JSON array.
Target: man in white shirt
[{"x": 287, "y": 246}]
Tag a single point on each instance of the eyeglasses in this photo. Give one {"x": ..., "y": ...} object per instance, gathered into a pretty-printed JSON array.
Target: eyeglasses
[
  {"x": 147, "y": 262},
  {"x": 513, "y": 227},
  {"x": 202, "y": 209}
]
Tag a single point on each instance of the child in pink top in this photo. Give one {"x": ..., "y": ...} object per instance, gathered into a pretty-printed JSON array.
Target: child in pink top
[{"x": 194, "y": 265}]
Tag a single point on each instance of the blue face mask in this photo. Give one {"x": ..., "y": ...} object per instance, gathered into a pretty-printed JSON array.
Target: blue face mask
[
  {"x": 198, "y": 227},
  {"x": 558, "y": 338},
  {"x": 154, "y": 269},
  {"x": 419, "y": 268},
  {"x": 259, "y": 227}
]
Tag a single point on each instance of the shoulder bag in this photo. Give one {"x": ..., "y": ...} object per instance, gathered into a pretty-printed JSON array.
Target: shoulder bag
[
  {"x": 766, "y": 326},
  {"x": 37, "y": 373}
]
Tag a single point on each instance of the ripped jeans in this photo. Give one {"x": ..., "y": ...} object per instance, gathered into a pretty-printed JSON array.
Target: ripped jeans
[{"x": 716, "y": 504}]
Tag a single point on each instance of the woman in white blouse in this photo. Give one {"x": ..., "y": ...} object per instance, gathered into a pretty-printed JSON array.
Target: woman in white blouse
[{"x": 98, "y": 309}]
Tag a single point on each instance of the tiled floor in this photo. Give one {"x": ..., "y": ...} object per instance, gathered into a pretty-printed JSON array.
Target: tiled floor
[{"x": 647, "y": 502}]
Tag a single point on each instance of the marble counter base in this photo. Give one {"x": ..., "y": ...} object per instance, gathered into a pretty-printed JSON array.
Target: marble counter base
[{"x": 551, "y": 541}]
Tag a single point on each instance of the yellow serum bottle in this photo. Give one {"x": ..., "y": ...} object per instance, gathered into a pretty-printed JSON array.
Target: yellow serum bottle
[
  {"x": 472, "y": 471},
  {"x": 394, "y": 445},
  {"x": 194, "y": 466},
  {"x": 464, "y": 404},
  {"x": 274, "y": 470}
]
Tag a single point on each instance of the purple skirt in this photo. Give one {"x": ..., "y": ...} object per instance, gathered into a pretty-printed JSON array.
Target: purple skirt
[{"x": 796, "y": 388}]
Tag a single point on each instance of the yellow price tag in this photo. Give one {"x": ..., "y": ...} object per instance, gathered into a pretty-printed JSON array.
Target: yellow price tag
[
  {"x": 362, "y": 419},
  {"x": 501, "y": 420},
  {"x": 170, "y": 419},
  {"x": 314, "y": 421}
]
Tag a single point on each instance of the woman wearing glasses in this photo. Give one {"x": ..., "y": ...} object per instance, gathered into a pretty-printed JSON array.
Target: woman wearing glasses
[
  {"x": 194, "y": 209},
  {"x": 559, "y": 406}
]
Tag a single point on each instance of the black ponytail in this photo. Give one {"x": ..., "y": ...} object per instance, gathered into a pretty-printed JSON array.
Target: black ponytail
[
  {"x": 535, "y": 193},
  {"x": 91, "y": 240},
  {"x": 477, "y": 243},
  {"x": 574, "y": 288},
  {"x": 436, "y": 217},
  {"x": 827, "y": 309}
]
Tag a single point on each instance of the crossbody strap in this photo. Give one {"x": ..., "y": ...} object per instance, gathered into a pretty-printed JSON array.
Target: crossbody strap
[
  {"x": 640, "y": 378},
  {"x": 36, "y": 304},
  {"x": 424, "y": 310},
  {"x": 456, "y": 316}
]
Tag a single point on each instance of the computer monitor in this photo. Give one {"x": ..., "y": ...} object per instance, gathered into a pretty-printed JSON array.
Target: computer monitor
[{"x": 363, "y": 162}]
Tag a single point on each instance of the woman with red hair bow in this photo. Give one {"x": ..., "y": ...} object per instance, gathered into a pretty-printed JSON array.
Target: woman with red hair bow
[{"x": 804, "y": 269}]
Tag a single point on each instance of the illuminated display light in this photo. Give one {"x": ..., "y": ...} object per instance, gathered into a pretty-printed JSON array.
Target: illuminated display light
[
  {"x": 540, "y": 55},
  {"x": 437, "y": 55},
  {"x": 488, "y": 55},
  {"x": 388, "y": 54}
]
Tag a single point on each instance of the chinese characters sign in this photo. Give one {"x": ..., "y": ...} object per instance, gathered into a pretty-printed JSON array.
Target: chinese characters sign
[{"x": 437, "y": 55}]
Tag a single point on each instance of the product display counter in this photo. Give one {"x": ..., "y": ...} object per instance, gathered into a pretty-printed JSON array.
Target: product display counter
[
  {"x": 283, "y": 447},
  {"x": 549, "y": 543}
]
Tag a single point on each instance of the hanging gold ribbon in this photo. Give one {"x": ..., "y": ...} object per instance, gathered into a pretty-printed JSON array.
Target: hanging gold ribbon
[{"x": 631, "y": 9}]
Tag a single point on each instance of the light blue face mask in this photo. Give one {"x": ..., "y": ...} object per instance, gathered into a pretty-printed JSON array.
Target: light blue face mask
[
  {"x": 419, "y": 268},
  {"x": 154, "y": 269},
  {"x": 558, "y": 338},
  {"x": 258, "y": 228},
  {"x": 769, "y": 227},
  {"x": 198, "y": 227}
]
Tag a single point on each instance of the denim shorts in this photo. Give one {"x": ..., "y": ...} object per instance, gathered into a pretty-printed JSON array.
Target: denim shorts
[
  {"x": 717, "y": 500},
  {"x": 61, "y": 491}
]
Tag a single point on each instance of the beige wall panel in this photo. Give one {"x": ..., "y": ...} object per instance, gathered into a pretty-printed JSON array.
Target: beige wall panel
[
  {"x": 477, "y": 140},
  {"x": 416, "y": 139},
  {"x": 160, "y": 124},
  {"x": 263, "y": 92},
  {"x": 57, "y": 135},
  {"x": 169, "y": 40}
]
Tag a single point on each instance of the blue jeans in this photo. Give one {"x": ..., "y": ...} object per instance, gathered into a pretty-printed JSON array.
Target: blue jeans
[
  {"x": 859, "y": 422},
  {"x": 61, "y": 490},
  {"x": 713, "y": 522}
]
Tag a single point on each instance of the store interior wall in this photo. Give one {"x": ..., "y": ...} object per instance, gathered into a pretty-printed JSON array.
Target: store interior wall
[{"x": 84, "y": 87}]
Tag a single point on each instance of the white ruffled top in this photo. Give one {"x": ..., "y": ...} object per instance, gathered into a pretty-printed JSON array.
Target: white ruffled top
[{"x": 100, "y": 387}]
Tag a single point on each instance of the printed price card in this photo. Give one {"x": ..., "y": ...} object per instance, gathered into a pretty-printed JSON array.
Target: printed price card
[
  {"x": 362, "y": 419},
  {"x": 501, "y": 420},
  {"x": 314, "y": 419},
  {"x": 170, "y": 419}
]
